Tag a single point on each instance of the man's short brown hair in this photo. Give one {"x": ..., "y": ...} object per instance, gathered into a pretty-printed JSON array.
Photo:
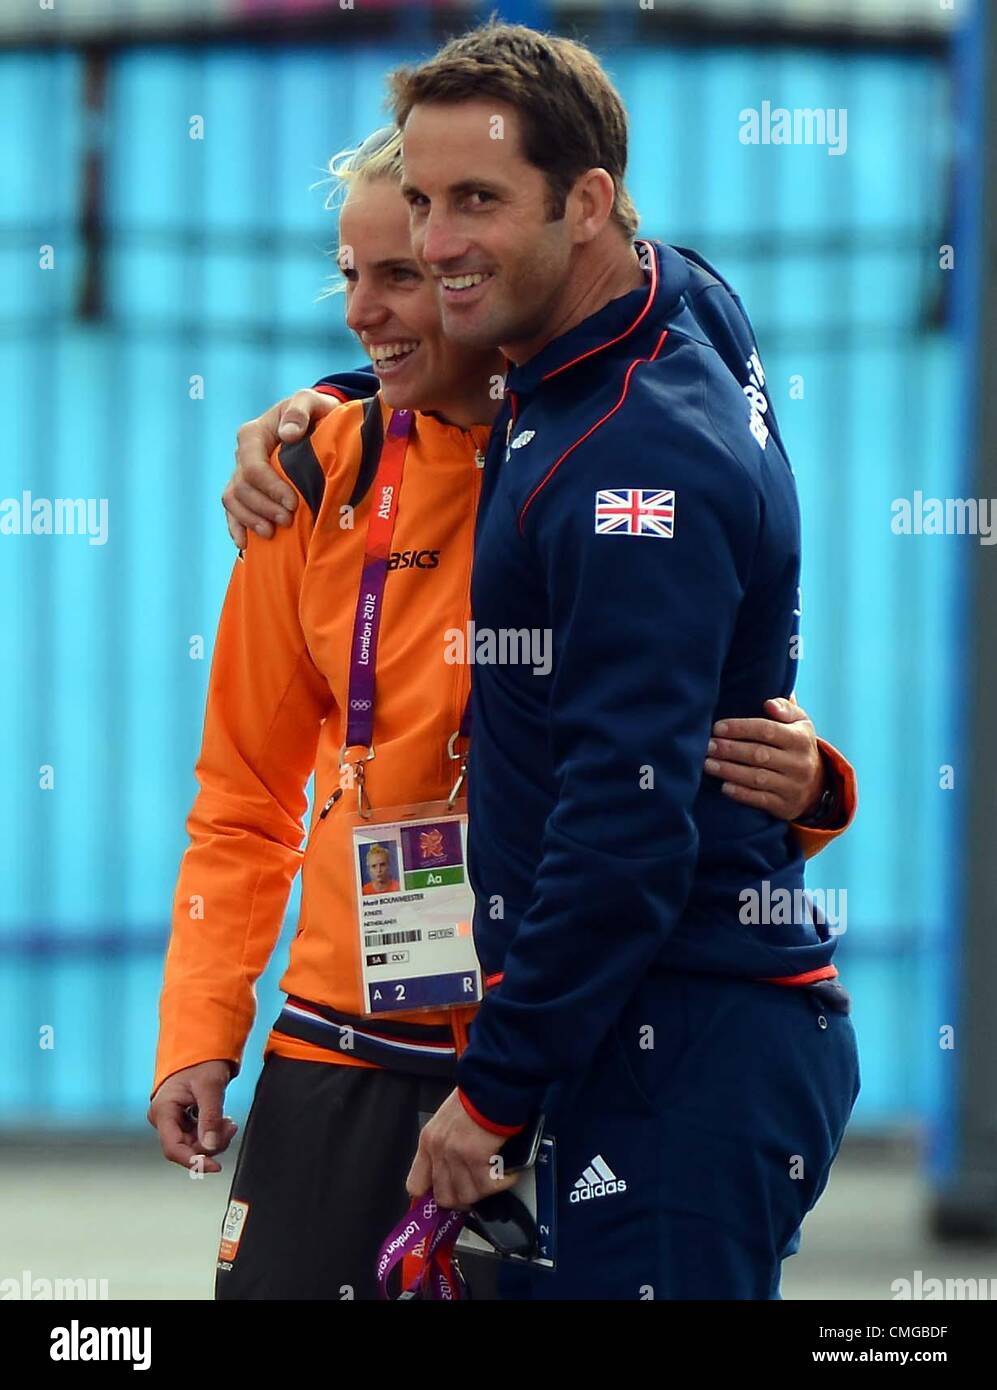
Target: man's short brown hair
[{"x": 571, "y": 114}]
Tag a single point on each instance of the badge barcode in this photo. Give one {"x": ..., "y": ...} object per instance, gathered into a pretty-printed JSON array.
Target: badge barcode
[{"x": 391, "y": 938}]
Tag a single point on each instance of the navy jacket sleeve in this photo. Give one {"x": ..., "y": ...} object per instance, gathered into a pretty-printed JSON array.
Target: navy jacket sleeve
[
  {"x": 641, "y": 625},
  {"x": 350, "y": 386}
]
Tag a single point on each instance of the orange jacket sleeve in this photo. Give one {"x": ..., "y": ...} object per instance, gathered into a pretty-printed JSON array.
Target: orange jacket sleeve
[
  {"x": 266, "y": 702},
  {"x": 813, "y": 840}
]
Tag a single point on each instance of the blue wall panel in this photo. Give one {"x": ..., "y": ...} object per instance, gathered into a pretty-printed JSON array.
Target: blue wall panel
[{"x": 216, "y": 252}]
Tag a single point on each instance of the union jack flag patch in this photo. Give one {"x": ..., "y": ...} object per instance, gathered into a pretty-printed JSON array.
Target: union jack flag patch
[{"x": 635, "y": 512}]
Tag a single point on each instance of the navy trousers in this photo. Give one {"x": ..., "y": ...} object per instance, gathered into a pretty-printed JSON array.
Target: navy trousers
[{"x": 688, "y": 1154}]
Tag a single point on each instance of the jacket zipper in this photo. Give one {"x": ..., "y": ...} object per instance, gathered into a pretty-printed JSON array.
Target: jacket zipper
[
  {"x": 463, "y": 688},
  {"x": 317, "y": 825}
]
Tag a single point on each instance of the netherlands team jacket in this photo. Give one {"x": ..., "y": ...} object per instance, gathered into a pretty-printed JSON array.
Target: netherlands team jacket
[{"x": 275, "y": 715}]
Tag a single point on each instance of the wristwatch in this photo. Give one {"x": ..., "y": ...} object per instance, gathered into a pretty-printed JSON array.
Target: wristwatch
[{"x": 828, "y": 807}]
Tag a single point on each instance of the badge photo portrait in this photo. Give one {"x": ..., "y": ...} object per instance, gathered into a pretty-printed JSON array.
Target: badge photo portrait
[{"x": 379, "y": 867}]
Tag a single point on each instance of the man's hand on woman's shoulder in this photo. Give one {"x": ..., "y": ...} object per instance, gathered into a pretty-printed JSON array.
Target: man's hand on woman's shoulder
[{"x": 255, "y": 497}]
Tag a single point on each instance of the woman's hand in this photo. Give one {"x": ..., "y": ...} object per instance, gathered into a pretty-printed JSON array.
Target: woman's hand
[
  {"x": 771, "y": 763},
  {"x": 181, "y": 1138}
]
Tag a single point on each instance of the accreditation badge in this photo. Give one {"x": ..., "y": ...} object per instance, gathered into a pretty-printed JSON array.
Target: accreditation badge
[
  {"x": 536, "y": 1188},
  {"x": 414, "y": 908}
]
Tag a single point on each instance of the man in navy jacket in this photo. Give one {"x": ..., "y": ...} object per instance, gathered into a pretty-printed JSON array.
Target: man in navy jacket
[{"x": 685, "y": 1038}]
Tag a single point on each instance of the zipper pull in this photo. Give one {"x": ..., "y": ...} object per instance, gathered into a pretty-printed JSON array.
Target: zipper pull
[{"x": 330, "y": 803}]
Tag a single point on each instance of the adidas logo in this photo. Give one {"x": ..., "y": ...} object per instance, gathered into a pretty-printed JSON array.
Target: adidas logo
[{"x": 598, "y": 1180}]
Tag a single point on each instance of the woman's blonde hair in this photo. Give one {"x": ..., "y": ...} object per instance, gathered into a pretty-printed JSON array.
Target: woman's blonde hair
[{"x": 377, "y": 157}]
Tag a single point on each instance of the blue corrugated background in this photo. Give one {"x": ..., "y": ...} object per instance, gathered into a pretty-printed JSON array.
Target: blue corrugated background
[{"x": 213, "y": 262}]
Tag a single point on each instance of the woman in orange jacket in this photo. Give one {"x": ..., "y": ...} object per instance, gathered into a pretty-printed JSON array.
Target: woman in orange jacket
[{"x": 321, "y": 1170}]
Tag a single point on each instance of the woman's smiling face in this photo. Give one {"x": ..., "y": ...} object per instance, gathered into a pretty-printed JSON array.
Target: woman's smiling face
[{"x": 392, "y": 305}]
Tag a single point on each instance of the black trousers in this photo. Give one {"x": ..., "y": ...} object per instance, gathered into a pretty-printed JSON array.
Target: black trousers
[{"x": 321, "y": 1181}]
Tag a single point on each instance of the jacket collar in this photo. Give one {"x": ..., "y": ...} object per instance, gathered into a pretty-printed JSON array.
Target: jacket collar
[{"x": 617, "y": 323}]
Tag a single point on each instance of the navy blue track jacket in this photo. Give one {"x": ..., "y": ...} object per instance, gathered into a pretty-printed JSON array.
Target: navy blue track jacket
[{"x": 638, "y": 506}]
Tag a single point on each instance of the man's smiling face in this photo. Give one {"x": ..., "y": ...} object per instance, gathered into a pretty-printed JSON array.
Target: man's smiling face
[{"x": 480, "y": 223}]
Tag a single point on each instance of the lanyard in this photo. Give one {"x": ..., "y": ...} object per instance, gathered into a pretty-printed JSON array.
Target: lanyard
[
  {"x": 370, "y": 599},
  {"x": 426, "y": 1235},
  {"x": 370, "y": 602}
]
